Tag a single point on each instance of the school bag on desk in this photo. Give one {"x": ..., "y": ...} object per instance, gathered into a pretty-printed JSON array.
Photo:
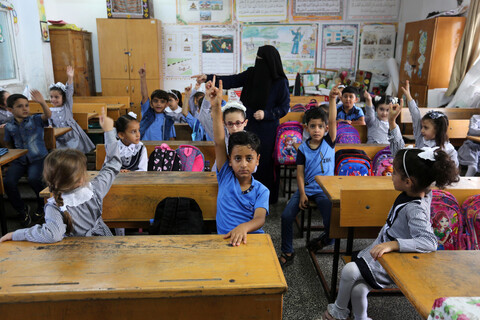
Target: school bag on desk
[
  {"x": 163, "y": 158},
  {"x": 288, "y": 133},
  {"x": 471, "y": 218},
  {"x": 298, "y": 108},
  {"x": 382, "y": 163},
  {"x": 191, "y": 157},
  {"x": 352, "y": 162},
  {"x": 177, "y": 215},
  {"x": 346, "y": 133}
]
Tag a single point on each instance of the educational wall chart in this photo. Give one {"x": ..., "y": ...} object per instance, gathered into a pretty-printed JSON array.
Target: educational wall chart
[
  {"x": 295, "y": 42},
  {"x": 338, "y": 46},
  {"x": 219, "y": 50},
  {"x": 377, "y": 44},
  {"x": 204, "y": 11},
  {"x": 368, "y": 10},
  {"x": 317, "y": 9},
  {"x": 181, "y": 49},
  {"x": 260, "y": 10}
]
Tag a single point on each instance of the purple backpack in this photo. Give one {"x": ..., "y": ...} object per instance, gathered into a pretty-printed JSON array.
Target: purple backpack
[
  {"x": 163, "y": 158},
  {"x": 446, "y": 221},
  {"x": 346, "y": 133},
  {"x": 191, "y": 158},
  {"x": 352, "y": 162},
  {"x": 382, "y": 163},
  {"x": 471, "y": 218},
  {"x": 298, "y": 108},
  {"x": 288, "y": 133}
]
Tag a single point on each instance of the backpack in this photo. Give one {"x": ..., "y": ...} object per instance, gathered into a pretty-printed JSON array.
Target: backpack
[
  {"x": 163, "y": 158},
  {"x": 288, "y": 133},
  {"x": 177, "y": 216},
  {"x": 346, "y": 133},
  {"x": 382, "y": 163},
  {"x": 191, "y": 158},
  {"x": 352, "y": 162},
  {"x": 445, "y": 209},
  {"x": 312, "y": 104},
  {"x": 298, "y": 108},
  {"x": 471, "y": 218}
]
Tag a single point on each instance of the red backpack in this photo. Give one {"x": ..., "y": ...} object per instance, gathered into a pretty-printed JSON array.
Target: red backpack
[
  {"x": 446, "y": 221},
  {"x": 471, "y": 218},
  {"x": 288, "y": 133}
]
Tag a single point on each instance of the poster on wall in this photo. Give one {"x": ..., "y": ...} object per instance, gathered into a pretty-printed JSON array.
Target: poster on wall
[
  {"x": 204, "y": 11},
  {"x": 338, "y": 46},
  {"x": 260, "y": 10},
  {"x": 377, "y": 44},
  {"x": 219, "y": 50},
  {"x": 295, "y": 42},
  {"x": 181, "y": 47},
  {"x": 368, "y": 10},
  {"x": 316, "y": 9}
]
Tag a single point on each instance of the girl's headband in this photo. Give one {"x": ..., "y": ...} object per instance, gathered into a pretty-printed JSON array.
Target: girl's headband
[
  {"x": 389, "y": 100},
  {"x": 434, "y": 114},
  {"x": 426, "y": 154},
  {"x": 234, "y": 105},
  {"x": 171, "y": 92},
  {"x": 58, "y": 85}
]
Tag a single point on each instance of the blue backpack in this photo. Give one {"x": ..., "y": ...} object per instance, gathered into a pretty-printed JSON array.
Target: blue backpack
[
  {"x": 346, "y": 133},
  {"x": 352, "y": 162}
]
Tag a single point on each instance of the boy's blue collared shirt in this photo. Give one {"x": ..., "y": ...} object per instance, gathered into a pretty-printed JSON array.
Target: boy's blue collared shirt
[
  {"x": 28, "y": 134},
  {"x": 354, "y": 114}
]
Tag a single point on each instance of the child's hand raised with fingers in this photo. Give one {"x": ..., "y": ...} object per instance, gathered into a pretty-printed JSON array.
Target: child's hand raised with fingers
[
  {"x": 105, "y": 122},
  {"x": 368, "y": 97},
  {"x": 70, "y": 71},
  {"x": 142, "y": 71},
  {"x": 37, "y": 96},
  {"x": 406, "y": 90},
  {"x": 335, "y": 92},
  {"x": 394, "y": 111}
]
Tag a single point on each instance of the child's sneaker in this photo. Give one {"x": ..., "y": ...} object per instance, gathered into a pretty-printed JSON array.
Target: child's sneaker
[
  {"x": 38, "y": 215},
  {"x": 319, "y": 243},
  {"x": 25, "y": 219}
]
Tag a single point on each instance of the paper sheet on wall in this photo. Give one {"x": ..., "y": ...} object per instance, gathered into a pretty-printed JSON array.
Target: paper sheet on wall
[
  {"x": 219, "y": 50},
  {"x": 384, "y": 10},
  {"x": 338, "y": 46},
  {"x": 204, "y": 11},
  {"x": 317, "y": 9},
  {"x": 377, "y": 45},
  {"x": 181, "y": 51},
  {"x": 296, "y": 44},
  {"x": 260, "y": 10}
]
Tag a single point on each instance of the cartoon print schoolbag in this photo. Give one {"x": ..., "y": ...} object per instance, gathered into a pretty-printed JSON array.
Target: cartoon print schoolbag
[
  {"x": 382, "y": 163},
  {"x": 288, "y": 133},
  {"x": 446, "y": 221},
  {"x": 352, "y": 162},
  {"x": 471, "y": 218},
  {"x": 163, "y": 158},
  {"x": 298, "y": 108},
  {"x": 346, "y": 133},
  {"x": 191, "y": 157}
]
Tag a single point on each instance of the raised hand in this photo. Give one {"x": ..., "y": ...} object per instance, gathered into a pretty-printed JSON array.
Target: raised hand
[
  {"x": 37, "y": 96},
  {"x": 188, "y": 90},
  {"x": 406, "y": 90},
  {"x": 368, "y": 97},
  {"x": 395, "y": 111},
  {"x": 70, "y": 71},
  {"x": 335, "y": 92},
  {"x": 105, "y": 122},
  {"x": 201, "y": 78},
  {"x": 142, "y": 71}
]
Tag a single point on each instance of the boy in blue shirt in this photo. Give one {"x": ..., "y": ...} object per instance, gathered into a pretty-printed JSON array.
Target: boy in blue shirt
[
  {"x": 155, "y": 124},
  {"x": 242, "y": 202},
  {"x": 315, "y": 157},
  {"x": 348, "y": 111},
  {"x": 26, "y": 132}
]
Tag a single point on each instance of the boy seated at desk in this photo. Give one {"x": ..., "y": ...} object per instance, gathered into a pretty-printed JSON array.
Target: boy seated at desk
[
  {"x": 242, "y": 202},
  {"x": 348, "y": 111}
]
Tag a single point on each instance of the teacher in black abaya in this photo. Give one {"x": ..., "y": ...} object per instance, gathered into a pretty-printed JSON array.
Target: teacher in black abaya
[{"x": 267, "y": 99}]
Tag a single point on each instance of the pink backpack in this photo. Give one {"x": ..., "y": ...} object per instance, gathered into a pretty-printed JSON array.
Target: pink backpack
[
  {"x": 471, "y": 216},
  {"x": 288, "y": 133},
  {"x": 191, "y": 157},
  {"x": 382, "y": 163},
  {"x": 447, "y": 222},
  {"x": 163, "y": 158}
]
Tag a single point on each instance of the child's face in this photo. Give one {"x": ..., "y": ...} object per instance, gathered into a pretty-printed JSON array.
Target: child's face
[
  {"x": 173, "y": 103},
  {"x": 243, "y": 161},
  {"x": 235, "y": 122},
  {"x": 428, "y": 129},
  {"x": 131, "y": 134},
  {"x": 56, "y": 98},
  {"x": 20, "y": 109},
  {"x": 399, "y": 183},
  {"x": 317, "y": 128},
  {"x": 5, "y": 97},
  {"x": 382, "y": 111},
  {"x": 158, "y": 105},
  {"x": 348, "y": 100}
]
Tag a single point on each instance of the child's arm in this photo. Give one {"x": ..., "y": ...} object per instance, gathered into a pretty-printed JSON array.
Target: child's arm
[
  {"x": 360, "y": 120},
  {"x": 143, "y": 83},
  {"x": 303, "y": 204},
  {"x": 332, "y": 112},
  {"x": 215, "y": 95},
  {"x": 186, "y": 107},
  {"x": 239, "y": 234},
  {"x": 415, "y": 113},
  {"x": 37, "y": 97},
  {"x": 69, "y": 88},
  {"x": 394, "y": 135},
  {"x": 369, "y": 111}
]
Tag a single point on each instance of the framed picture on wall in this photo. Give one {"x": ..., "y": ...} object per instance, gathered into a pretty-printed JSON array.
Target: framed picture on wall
[
  {"x": 134, "y": 9},
  {"x": 44, "y": 30}
]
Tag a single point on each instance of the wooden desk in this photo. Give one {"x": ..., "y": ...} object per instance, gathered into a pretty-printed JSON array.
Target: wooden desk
[
  {"x": 183, "y": 132},
  {"x": 83, "y": 118},
  {"x": 6, "y": 158},
  {"x": 133, "y": 197},
  {"x": 50, "y": 136},
  {"x": 474, "y": 139},
  {"x": 147, "y": 277},
  {"x": 424, "y": 277},
  {"x": 116, "y": 110}
]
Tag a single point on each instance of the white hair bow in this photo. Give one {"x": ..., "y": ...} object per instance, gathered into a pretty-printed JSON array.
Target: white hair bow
[
  {"x": 428, "y": 153},
  {"x": 377, "y": 98},
  {"x": 132, "y": 114},
  {"x": 58, "y": 85},
  {"x": 235, "y": 105}
]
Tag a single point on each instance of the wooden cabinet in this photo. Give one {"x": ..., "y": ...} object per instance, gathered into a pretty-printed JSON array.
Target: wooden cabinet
[
  {"x": 124, "y": 46},
  {"x": 73, "y": 48},
  {"x": 429, "y": 48}
]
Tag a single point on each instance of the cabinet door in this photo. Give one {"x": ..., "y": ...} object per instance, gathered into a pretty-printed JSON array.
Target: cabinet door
[
  {"x": 419, "y": 94},
  {"x": 143, "y": 39},
  {"x": 90, "y": 75},
  {"x": 60, "y": 43},
  {"x": 115, "y": 87},
  {"x": 112, "y": 47}
]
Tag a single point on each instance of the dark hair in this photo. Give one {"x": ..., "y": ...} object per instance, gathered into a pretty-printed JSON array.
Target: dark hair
[
  {"x": 122, "y": 122},
  {"x": 244, "y": 138},
  {"x": 14, "y": 97},
  {"x": 232, "y": 110},
  {"x": 199, "y": 95},
  {"x": 350, "y": 89},
  {"x": 384, "y": 99},
  {"x": 2, "y": 96},
  {"x": 64, "y": 95},
  {"x": 175, "y": 94},
  {"x": 440, "y": 123},
  {"x": 159, "y": 94},
  {"x": 423, "y": 173},
  {"x": 315, "y": 113}
]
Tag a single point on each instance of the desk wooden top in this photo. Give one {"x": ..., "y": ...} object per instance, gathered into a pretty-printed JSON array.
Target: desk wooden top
[
  {"x": 474, "y": 139},
  {"x": 116, "y": 106},
  {"x": 138, "y": 267},
  {"x": 424, "y": 277},
  {"x": 11, "y": 155},
  {"x": 60, "y": 131}
]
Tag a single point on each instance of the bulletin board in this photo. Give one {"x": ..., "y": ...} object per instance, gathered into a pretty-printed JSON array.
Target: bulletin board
[
  {"x": 377, "y": 44},
  {"x": 338, "y": 46},
  {"x": 204, "y": 11}
]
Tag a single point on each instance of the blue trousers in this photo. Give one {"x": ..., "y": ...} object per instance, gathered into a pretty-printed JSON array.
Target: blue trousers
[
  {"x": 291, "y": 211},
  {"x": 14, "y": 173}
]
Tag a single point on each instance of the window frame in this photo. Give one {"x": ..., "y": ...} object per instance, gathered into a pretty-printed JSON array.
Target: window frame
[{"x": 13, "y": 43}]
